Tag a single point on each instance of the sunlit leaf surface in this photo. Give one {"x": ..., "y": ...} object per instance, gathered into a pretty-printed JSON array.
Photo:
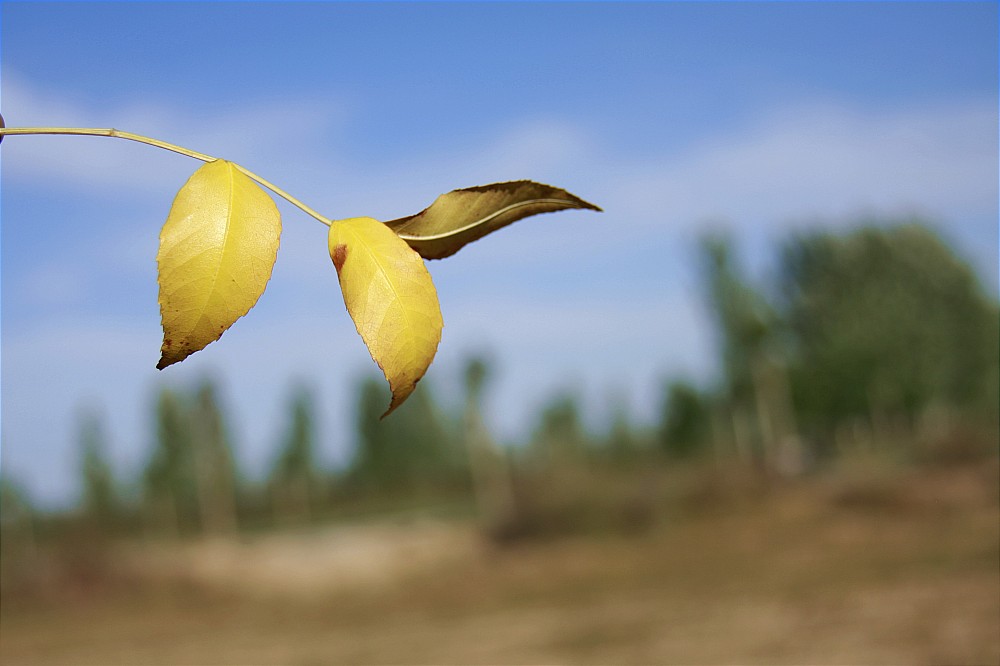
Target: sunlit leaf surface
[
  {"x": 390, "y": 296},
  {"x": 217, "y": 249}
]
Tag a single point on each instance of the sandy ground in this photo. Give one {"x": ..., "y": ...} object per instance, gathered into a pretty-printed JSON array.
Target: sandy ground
[{"x": 854, "y": 572}]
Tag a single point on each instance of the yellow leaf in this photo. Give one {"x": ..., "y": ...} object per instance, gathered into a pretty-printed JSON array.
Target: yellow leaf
[
  {"x": 390, "y": 296},
  {"x": 217, "y": 249}
]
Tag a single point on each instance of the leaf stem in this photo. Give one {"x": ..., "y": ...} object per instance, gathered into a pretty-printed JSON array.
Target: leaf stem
[{"x": 118, "y": 134}]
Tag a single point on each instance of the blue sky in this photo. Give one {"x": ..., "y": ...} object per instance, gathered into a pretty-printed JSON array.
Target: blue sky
[{"x": 674, "y": 117}]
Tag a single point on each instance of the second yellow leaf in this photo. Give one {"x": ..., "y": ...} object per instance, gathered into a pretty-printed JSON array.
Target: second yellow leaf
[{"x": 389, "y": 294}]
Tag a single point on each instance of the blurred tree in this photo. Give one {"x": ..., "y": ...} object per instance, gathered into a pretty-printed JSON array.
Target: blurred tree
[
  {"x": 744, "y": 317},
  {"x": 685, "y": 423},
  {"x": 560, "y": 436},
  {"x": 190, "y": 480},
  {"x": 214, "y": 466},
  {"x": 294, "y": 476},
  {"x": 489, "y": 467},
  {"x": 622, "y": 442},
  {"x": 410, "y": 450},
  {"x": 885, "y": 319},
  {"x": 477, "y": 372},
  {"x": 16, "y": 515},
  {"x": 752, "y": 365},
  {"x": 18, "y": 540},
  {"x": 100, "y": 500},
  {"x": 170, "y": 491},
  {"x": 14, "y": 503}
]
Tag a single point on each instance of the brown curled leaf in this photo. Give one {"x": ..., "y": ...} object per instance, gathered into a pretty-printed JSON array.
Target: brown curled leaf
[{"x": 461, "y": 216}]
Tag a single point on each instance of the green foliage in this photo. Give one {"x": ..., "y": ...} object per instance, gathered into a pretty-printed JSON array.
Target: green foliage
[
  {"x": 169, "y": 480},
  {"x": 294, "y": 479},
  {"x": 477, "y": 372},
  {"x": 560, "y": 435},
  {"x": 412, "y": 450},
  {"x": 19, "y": 560},
  {"x": 744, "y": 318},
  {"x": 15, "y": 504},
  {"x": 210, "y": 434},
  {"x": 296, "y": 459},
  {"x": 215, "y": 466},
  {"x": 190, "y": 480},
  {"x": 622, "y": 443},
  {"x": 885, "y": 318},
  {"x": 100, "y": 499},
  {"x": 685, "y": 425}
]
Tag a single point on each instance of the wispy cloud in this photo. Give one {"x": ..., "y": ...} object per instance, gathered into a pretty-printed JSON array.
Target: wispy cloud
[
  {"x": 827, "y": 160},
  {"x": 262, "y": 131}
]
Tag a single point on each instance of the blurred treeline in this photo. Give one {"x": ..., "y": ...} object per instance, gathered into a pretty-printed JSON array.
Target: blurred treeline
[{"x": 875, "y": 341}]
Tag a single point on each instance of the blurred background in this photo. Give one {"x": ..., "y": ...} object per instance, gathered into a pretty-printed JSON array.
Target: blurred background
[{"x": 747, "y": 414}]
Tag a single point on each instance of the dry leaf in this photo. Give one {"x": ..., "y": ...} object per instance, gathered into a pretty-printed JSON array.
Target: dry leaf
[{"x": 462, "y": 216}]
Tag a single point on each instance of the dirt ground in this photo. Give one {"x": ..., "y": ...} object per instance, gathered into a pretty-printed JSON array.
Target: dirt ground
[{"x": 857, "y": 570}]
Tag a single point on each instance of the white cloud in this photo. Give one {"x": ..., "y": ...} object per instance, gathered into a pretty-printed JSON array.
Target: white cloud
[
  {"x": 263, "y": 132},
  {"x": 828, "y": 161}
]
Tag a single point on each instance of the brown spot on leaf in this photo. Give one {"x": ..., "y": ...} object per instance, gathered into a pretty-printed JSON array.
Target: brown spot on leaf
[{"x": 339, "y": 256}]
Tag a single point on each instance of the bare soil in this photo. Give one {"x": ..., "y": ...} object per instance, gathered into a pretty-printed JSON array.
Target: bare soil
[{"x": 861, "y": 569}]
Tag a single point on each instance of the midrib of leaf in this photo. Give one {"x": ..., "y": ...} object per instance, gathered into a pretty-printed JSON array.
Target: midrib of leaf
[
  {"x": 225, "y": 244},
  {"x": 485, "y": 220},
  {"x": 376, "y": 256},
  {"x": 384, "y": 274}
]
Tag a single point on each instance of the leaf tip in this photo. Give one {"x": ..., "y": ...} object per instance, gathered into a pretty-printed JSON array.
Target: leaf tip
[
  {"x": 399, "y": 396},
  {"x": 171, "y": 353}
]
